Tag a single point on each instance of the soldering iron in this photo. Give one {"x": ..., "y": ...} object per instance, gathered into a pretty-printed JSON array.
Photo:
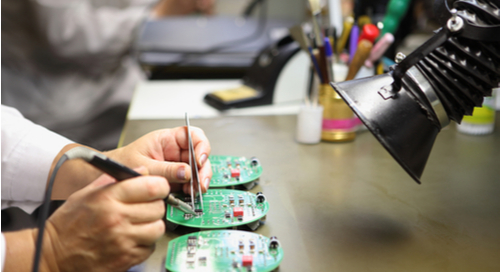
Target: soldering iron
[{"x": 119, "y": 172}]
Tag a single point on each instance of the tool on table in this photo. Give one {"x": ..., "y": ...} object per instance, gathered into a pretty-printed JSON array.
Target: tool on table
[
  {"x": 194, "y": 168},
  {"x": 119, "y": 172}
]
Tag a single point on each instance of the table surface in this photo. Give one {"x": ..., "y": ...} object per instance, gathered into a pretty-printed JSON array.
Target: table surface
[{"x": 351, "y": 207}]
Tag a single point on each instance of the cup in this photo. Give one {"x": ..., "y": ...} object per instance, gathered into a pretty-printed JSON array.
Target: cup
[{"x": 309, "y": 123}]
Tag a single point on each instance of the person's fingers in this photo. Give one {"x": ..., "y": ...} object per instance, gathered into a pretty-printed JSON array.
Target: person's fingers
[
  {"x": 205, "y": 175},
  {"x": 147, "y": 233},
  {"x": 145, "y": 212},
  {"x": 101, "y": 181},
  {"x": 142, "y": 170},
  {"x": 200, "y": 143},
  {"x": 141, "y": 189},
  {"x": 174, "y": 172}
]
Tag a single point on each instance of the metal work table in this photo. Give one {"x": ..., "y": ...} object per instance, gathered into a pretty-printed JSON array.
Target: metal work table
[{"x": 351, "y": 207}]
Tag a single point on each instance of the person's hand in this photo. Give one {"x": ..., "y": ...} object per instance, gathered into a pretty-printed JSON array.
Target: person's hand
[
  {"x": 183, "y": 7},
  {"x": 108, "y": 225},
  {"x": 165, "y": 153}
]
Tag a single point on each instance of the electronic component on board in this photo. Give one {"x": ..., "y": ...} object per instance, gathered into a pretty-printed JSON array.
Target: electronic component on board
[
  {"x": 260, "y": 197},
  {"x": 230, "y": 171},
  {"x": 274, "y": 243},
  {"x": 218, "y": 213},
  {"x": 254, "y": 161},
  {"x": 247, "y": 260},
  {"x": 237, "y": 211},
  {"x": 235, "y": 173},
  {"x": 192, "y": 241}
]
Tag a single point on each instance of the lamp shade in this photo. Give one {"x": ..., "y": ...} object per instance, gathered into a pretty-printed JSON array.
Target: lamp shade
[{"x": 400, "y": 123}]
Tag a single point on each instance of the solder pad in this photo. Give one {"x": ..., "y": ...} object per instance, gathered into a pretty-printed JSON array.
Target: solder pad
[
  {"x": 248, "y": 170},
  {"x": 223, "y": 250},
  {"x": 219, "y": 210}
]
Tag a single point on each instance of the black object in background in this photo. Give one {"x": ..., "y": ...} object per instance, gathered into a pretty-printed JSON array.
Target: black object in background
[
  {"x": 193, "y": 47},
  {"x": 262, "y": 76}
]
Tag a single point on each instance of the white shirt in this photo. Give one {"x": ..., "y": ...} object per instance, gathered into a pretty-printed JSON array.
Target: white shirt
[
  {"x": 28, "y": 151},
  {"x": 66, "y": 62}
]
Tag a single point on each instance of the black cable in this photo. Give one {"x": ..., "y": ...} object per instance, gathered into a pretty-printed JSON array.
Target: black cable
[{"x": 44, "y": 213}]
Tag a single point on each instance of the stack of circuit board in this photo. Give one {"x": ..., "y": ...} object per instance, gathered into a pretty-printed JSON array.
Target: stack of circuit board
[{"x": 223, "y": 207}]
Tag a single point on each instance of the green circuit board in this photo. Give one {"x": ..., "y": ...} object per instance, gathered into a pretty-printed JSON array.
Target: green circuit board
[
  {"x": 233, "y": 171},
  {"x": 223, "y": 250},
  {"x": 222, "y": 208}
]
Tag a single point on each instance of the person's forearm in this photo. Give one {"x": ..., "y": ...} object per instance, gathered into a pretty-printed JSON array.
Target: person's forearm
[{"x": 20, "y": 251}]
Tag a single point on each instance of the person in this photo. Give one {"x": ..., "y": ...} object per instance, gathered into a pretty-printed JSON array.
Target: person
[
  {"x": 104, "y": 225},
  {"x": 69, "y": 65}
]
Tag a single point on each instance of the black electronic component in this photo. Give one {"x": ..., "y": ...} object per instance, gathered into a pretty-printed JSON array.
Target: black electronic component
[
  {"x": 192, "y": 241},
  {"x": 254, "y": 161},
  {"x": 274, "y": 243},
  {"x": 227, "y": 214},
  {"x": 260, "y": 197}
]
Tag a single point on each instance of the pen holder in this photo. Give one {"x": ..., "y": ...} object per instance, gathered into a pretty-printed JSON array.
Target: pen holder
[{"x": 338, "y": 122}]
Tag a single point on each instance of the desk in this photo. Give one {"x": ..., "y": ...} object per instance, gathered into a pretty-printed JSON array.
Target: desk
[{"x": 351, "y": 207}]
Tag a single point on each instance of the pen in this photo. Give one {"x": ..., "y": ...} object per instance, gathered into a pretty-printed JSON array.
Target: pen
[{"x": 121, "y": 172}]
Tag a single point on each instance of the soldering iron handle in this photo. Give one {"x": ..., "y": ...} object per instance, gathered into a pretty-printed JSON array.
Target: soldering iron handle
[{"x": 118, "y": 171}]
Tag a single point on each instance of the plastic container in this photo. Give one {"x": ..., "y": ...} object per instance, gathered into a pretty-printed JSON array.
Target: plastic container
[
  {"x": 482, "y": 121},
  {"x": 309, "y": 121}
]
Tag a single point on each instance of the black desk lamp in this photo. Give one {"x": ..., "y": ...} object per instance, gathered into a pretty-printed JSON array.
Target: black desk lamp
[{"x": 442, "y": 80}]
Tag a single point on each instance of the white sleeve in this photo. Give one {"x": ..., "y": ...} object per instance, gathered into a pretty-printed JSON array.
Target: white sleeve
[
  {"x": 78, "y": 28},
  {"x": 27, "y": 154},
  {"x": 3, "y": 248}
]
